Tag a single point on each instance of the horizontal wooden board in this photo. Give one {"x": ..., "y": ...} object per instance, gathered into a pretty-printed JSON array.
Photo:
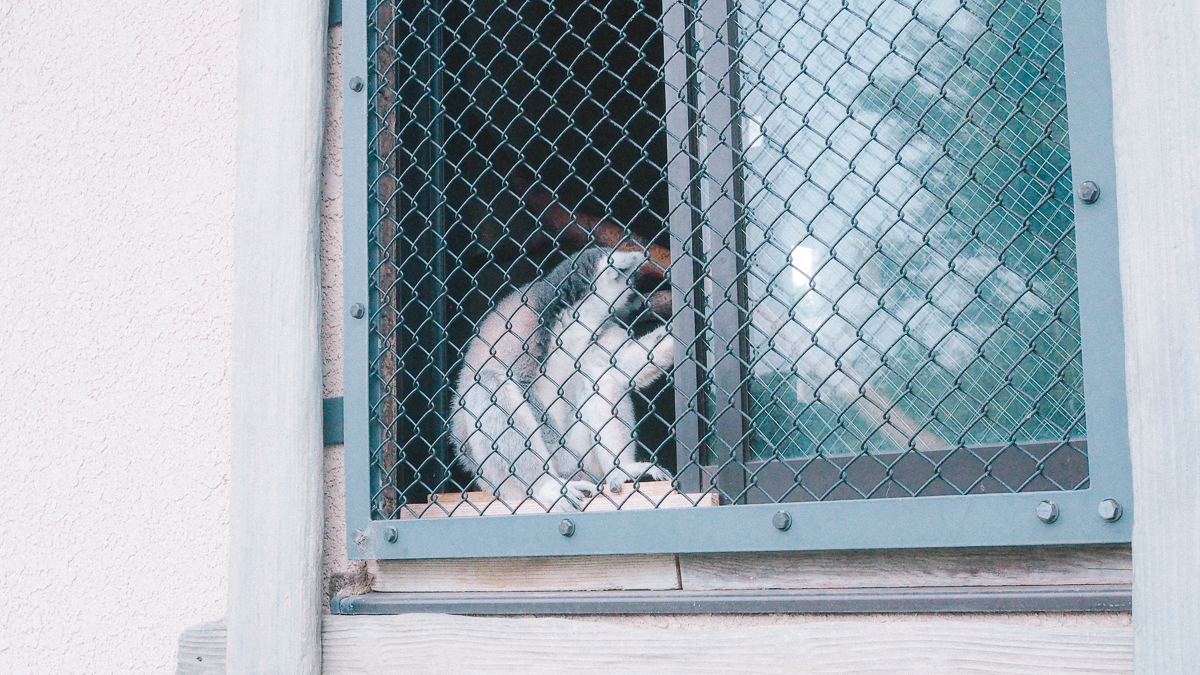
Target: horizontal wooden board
[
  {"x": 202, "y": 649},
  {"x": 647, "y": 495},
  {"x": 573, "y": 573},
  {"x": 420, "y": 644},
  {"x": 1032, "y": 566}
]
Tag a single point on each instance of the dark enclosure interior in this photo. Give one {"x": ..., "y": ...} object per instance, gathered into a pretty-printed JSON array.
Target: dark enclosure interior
[{"x": 565, "y": 95}]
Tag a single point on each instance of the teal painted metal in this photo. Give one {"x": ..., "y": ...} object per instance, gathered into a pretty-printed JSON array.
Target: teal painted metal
[
  {"x": 335, "y": 12},
  {"x": 910, "y": 522},
  {"x": 1089, "y": 100},
  {"x": 355, "y": 214},
  {"x": 916, "y": 522},
  {"x": 333, "y": 419},
  {"x": 1081, "y": 598}
]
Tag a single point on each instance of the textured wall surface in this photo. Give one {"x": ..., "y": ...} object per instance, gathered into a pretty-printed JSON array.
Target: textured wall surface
[
  {"x": 116, "y": 206},
  {"x": 331, "y": 219}
]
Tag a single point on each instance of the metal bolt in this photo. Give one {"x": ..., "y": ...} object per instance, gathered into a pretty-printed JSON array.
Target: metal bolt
[
  {"x": 566, "y": 528},
  {"x": 391, "y": 534},
  {"x": 360, "y": 539},
  {"x": 1089, "y": 192},
  {"x": 1110, "y": 510},
  {"x": 356, "y": 84},
  {"x": 782, "y": 520},
  {"x": 357, "y": 310},
  {"x": 1047, "y": 511}
]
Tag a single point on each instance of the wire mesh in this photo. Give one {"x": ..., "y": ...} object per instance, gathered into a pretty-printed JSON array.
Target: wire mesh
[{"x": 846, "y": 230}]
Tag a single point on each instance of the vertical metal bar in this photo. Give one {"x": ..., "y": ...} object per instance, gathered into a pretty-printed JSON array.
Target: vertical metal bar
[
  {"x": 383, "y": 203},
  {"x": 356, "y": 351},
  {"x": 687, "y": 299},
  {"x": 1089, "y": 110},
  {"x": 723, "y": 273},
  {"x": 707, "y": 244}
]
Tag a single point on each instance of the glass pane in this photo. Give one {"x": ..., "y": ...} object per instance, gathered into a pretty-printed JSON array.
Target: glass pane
[{"x": 910, "y": 244}]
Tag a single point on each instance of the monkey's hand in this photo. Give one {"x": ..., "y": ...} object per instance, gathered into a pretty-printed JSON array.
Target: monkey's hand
[{"x": 575, "y": 491}]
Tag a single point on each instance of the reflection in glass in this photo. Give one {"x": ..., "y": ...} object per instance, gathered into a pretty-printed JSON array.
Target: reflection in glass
[{"x": 909, "y": 233}]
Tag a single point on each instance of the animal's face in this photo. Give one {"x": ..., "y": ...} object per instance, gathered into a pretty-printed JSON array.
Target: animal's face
[{"x": 613, "y": 280}]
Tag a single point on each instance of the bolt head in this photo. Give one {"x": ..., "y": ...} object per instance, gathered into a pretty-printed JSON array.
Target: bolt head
[
  {"x": 357, "y": 310},
  {"x": 1110, "y": 510},
  {"x": 1089, "y": 192},
  {"x": 356, "y": 84},
  {"x": 782, "y": 520},
  {"x": 567, "y": 527},
  {"x": 391, "y": 534},
  {"x": 1047, "y": 512},
  {"x": 360, "y": 539}
]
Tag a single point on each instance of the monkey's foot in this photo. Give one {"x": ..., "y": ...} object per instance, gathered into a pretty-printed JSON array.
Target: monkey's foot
[
  {"x": 573, "y": 494},
  {"x": 634, "y": 471}
]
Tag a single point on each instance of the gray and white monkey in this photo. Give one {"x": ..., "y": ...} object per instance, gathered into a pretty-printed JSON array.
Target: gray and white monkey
[{"x": 544, "y": 391}]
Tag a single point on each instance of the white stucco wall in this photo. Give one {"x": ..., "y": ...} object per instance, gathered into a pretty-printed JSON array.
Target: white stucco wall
[{"x": 116, "y": 205}]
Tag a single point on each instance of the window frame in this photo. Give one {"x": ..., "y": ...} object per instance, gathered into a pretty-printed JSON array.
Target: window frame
[{"x": 892, "y": 523}]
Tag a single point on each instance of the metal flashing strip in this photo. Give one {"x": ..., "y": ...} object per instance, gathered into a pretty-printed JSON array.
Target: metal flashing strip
[{"x": 1073, "y": 598}]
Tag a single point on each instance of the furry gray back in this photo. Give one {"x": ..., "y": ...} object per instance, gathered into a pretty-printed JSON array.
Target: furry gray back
[{"x": 543, "y": 394}]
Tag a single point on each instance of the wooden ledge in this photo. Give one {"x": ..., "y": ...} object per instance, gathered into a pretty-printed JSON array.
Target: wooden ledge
[
  {"x": 645, "y": 495},
  {"x": 427, "y": 643}
]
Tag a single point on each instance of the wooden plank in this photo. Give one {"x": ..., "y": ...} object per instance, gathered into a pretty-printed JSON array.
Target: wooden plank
[
  {"x": 379, "y": 645},
  {"x": 276, "y": 515},
  {"x": 648, "y": 495},
  {"x": 1156, "y": 133},
  {"x": 574, "y": 573},
  {"x": 202, "y": 649},
  {"x": 1040, "y": 566}
]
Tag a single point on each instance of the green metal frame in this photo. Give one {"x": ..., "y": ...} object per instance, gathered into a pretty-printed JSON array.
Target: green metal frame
[{"x": 942, "y": 521}]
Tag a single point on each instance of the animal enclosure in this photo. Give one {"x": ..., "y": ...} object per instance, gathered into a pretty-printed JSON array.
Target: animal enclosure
[{"x": 854, "y": 234}]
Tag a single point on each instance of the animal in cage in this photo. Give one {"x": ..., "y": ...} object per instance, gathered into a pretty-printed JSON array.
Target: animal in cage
[{"x": 543, "y": 401}]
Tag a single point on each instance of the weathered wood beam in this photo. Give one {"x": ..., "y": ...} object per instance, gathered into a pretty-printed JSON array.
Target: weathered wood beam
[
  {"x": 1048, "y": 566},
  {"x": 1155, "y": 56},
  {"x": 276, "y": 519},
  {"x": 918, "y": 568},
  {"x": 202, "y": 650},
  {"x": 569, "y": 573},
  {"x": 435, "y": 643},
  {"x": 530, "y": 646}
]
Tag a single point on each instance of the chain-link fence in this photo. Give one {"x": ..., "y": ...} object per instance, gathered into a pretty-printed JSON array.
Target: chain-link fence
[{"x": 632, "y": 255}]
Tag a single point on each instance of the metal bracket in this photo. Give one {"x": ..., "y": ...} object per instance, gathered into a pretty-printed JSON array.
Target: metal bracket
[{"x": 333, "y": 420}]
